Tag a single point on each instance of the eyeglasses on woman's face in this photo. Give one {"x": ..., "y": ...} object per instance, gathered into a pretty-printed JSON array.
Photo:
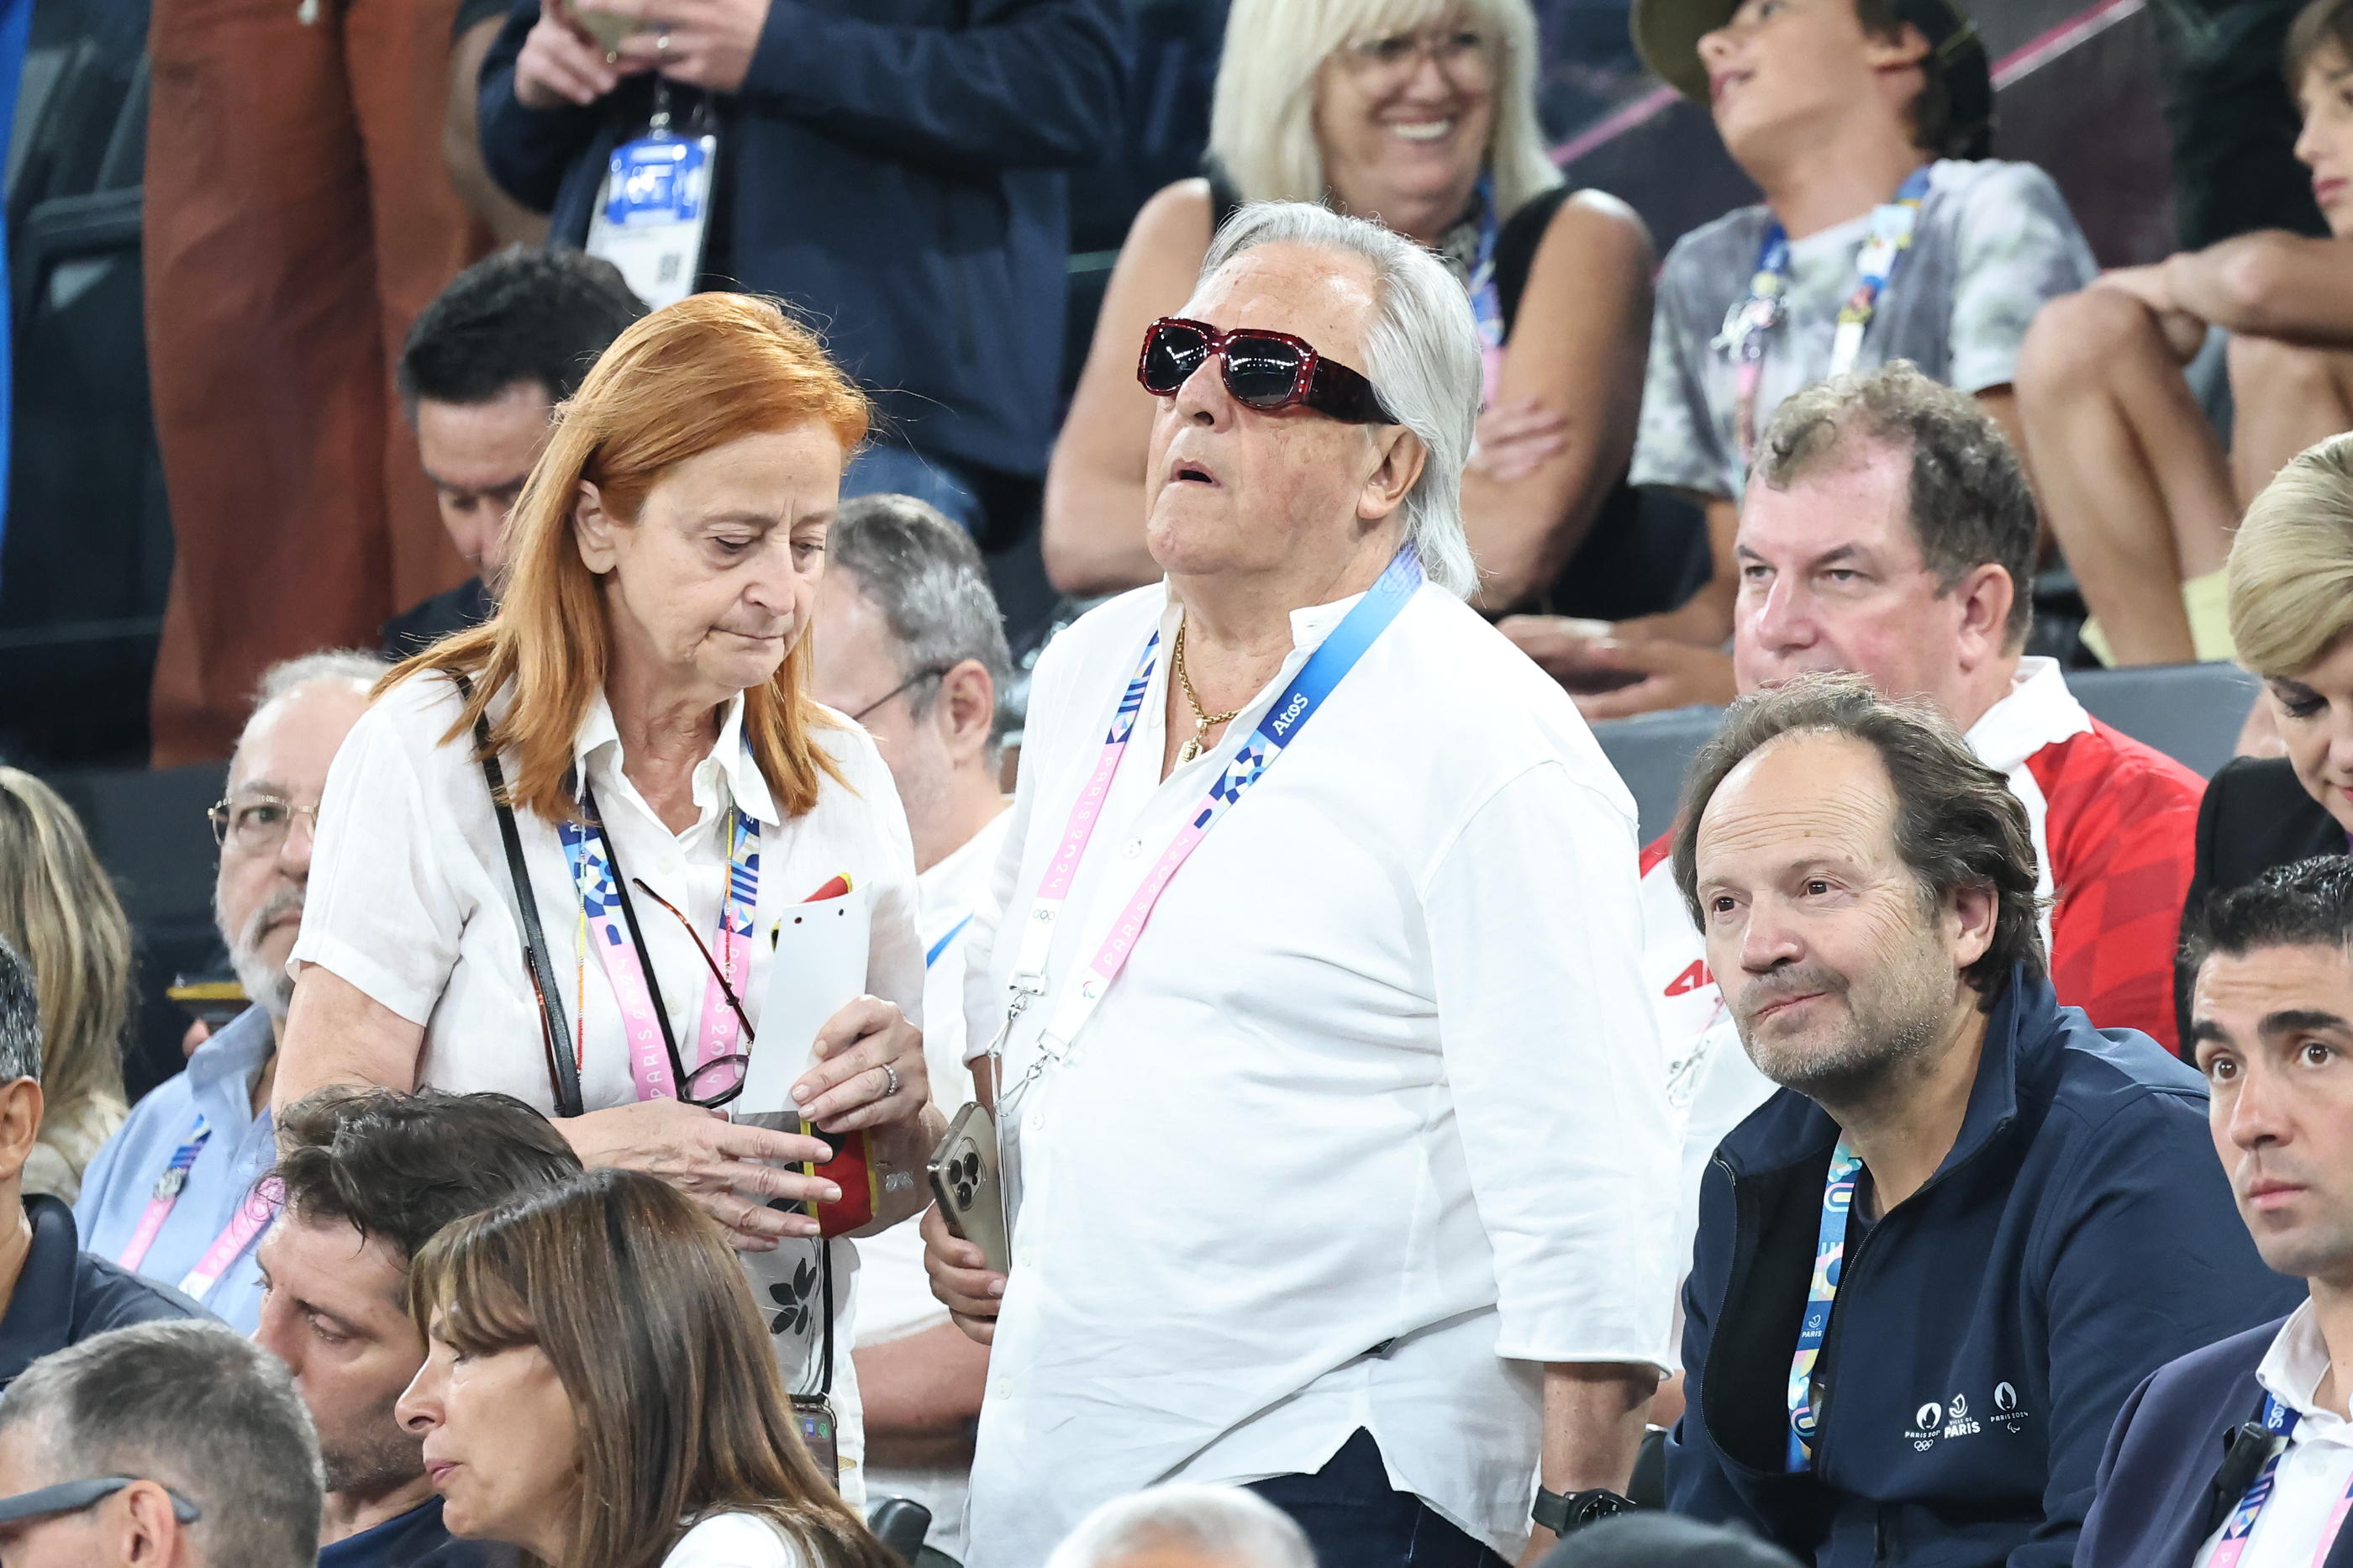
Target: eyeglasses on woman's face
[{"x": 1464, "y": 54}]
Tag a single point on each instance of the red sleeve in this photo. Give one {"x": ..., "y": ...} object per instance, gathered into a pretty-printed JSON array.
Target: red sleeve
[
  {"x": 1657, "y": 850},
  {"x": 2121, "y": 832}
]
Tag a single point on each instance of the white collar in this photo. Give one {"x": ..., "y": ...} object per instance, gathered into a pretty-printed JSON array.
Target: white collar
[
  {"x": 729, "y": 760},
  {"x": 976, "y": 854},
  {"x": 2037, "y": 711},
  {"x": 1308, "y": 627},
  {"x": 2291, "y": 1372}
]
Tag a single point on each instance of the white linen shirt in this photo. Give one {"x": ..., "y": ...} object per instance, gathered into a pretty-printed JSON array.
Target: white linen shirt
[
  {"x": 1368, "y": 1126},
  {"x": 2315, "y": 1468},
  {"x": 733, "y": 1541},
  {"x": 411, "y": 901}
]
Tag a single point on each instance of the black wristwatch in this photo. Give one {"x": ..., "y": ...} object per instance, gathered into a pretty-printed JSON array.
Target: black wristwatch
[{"x": 1563, "y": 1514}]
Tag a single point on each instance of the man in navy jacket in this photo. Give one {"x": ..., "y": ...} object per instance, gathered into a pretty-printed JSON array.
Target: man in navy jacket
[
  {"x": 895, "y": 167},
  {"x": 2023, "y": 1221},
  {"x": 2249, "y": 1436}
]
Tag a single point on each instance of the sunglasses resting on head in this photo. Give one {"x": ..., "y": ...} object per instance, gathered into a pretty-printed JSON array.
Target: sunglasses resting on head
[{"x": 1264, "y": 370}]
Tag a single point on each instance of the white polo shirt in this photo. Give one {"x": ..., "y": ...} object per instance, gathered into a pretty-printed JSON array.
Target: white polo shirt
[
  {"x": 411, "y": 901},
  {"x": 2315, "y": 1468},
  {"x": 1370, "y": 1124}
]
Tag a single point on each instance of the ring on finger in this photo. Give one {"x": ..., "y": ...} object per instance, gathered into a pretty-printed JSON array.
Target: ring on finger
[
  {"x": 889, "y": 1081},
  {"x": 661, "y": 41}
]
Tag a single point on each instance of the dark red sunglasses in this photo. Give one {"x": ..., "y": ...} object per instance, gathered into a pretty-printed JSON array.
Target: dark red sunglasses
[{"x": 1264, "y": 370}]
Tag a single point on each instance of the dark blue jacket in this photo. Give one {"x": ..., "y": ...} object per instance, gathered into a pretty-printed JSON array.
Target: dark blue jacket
[
  {"x": 64, "y": 1295},
  {"x": 2079, "y": 1234},
  {"x": 2158, "y": 1499},
  {"x": 895, "y": 167}
]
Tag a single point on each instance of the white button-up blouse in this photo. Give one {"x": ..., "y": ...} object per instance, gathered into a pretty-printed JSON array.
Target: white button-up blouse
[
  {"x": 1370, "y": 1124},
  {"x": 411, "y": 901}
]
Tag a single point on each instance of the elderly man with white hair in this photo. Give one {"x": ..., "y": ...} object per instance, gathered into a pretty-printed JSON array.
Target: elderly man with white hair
[
  {"x": 1185, "y": 1526},
  {"x": 1333, "y": 1157},
  {"x": 171, "y": 1194}
]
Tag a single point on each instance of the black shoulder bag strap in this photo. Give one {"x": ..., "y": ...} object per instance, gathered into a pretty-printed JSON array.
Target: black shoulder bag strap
[{"x": 562, "y": 1074}]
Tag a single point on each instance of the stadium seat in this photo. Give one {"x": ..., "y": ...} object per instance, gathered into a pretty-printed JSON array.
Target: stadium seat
[
  {"x": 1651, "y": 751},
  {"x": 2191, "y": 712}
]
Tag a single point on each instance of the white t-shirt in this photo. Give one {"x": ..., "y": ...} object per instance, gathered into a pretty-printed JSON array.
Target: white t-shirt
[
  {"x": 735, "y": 1540},
  {"x": 1368, "y": 1125},
  {"x": 411, "y": 901}
]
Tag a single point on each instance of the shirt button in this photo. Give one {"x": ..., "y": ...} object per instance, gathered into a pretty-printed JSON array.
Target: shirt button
[
  {"x": 1033, "y": 1123},
  {"x": 1002, "y": 1388},
  {"x": 1132, "y": 848},
  {"x": 669, "y": 865}
]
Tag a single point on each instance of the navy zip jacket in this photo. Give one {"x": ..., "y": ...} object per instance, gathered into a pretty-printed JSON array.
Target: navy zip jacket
[
  {"x": 2080, "y": 1234},
  {"x": 895, "y": 168}
]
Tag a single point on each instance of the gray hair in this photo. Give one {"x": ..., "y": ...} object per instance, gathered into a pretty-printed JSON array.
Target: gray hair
[
  {"x": 1421, "y": 354},
  {"x": 924, "y": 573},
  {"x": 21, "y": 1017},
  {"x": 1227, "y": 1523},
  {"x": 196, "y": 1408},
  {"x": 289, "y": 676}
]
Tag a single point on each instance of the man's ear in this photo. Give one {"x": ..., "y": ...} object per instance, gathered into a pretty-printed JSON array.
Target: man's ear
[
  {"x": 146, "y": 1529},
  {"x": 20, "y": 1124},
  {"x": 592, "y": 529},
  {"x": 1402, "y": 458},
  {"x": 966, "y": 709},
  {"x": 1976, "y": 914},
  {"x": 1984, "y": 597}
]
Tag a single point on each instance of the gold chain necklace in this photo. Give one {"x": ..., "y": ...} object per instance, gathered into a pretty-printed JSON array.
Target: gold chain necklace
[{"x": 1203, "y": 720}]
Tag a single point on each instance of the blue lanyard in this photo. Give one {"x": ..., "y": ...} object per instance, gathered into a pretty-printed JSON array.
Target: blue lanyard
[
  {"x": 1829, "y": 1256},
  {"x": 1486, "y": 295},
  {"x": 1747, "y": 323},
  {"x": 941, "y": 946},
  {"x": 2280, "y": 1422}
]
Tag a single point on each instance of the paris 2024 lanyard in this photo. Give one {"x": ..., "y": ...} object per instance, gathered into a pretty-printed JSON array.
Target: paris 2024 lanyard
[
  {"x": 1748, "y": 324},
  {"x": 1284, "y": 720}
]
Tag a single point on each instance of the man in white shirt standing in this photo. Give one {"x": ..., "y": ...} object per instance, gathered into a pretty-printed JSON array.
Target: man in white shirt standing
[
  {"x": 910, "y": 644},
  {"x": 2241, "y": 1455},
  {"x": 1330, "y": 1167}
]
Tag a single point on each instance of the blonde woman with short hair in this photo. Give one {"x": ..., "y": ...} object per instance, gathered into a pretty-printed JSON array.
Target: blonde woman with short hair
[
  {"x": 58, "y": 909},
  {"x": 2290, "y": 585},
  {"x": 1419, "y": 114}
]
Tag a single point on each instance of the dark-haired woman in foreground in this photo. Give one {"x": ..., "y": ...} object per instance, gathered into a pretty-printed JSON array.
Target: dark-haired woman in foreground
[{"x": 599, "y": 1391}]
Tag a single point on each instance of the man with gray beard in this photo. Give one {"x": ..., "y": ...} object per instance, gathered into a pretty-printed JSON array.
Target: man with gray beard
[
  {"x": 1931, "y": 1269},
  {"x": 171, "y": 1195}
]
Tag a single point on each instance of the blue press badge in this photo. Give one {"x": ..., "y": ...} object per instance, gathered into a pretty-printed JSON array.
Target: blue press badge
[
  {"x": 652, "y": 215},
  {"x": 657, "y": 180}
]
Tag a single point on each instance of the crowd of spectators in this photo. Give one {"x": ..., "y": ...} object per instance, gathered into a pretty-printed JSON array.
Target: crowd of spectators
[{"x": 737, "y": 1072}]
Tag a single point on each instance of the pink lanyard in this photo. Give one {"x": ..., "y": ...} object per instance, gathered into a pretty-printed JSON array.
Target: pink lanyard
[
  {"x": 252, "y": 1216},
  {"x": 625, "y": 967},
  {"x": 2279, "y": 1420}
]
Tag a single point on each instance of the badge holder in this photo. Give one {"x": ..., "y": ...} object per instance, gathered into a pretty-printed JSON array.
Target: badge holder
[{"x": 652, "y": 217}]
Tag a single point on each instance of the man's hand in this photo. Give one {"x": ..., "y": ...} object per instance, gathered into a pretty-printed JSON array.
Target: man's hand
[
  {"x": 560, "y": 66},
  {"x": 707, "y": 44},
  {"x": 730, "y": 1171},
  {"x": 850, "y": 1088},
  {"x": 1514, "y": 440},
  {"x": 962, "y": 1278}
]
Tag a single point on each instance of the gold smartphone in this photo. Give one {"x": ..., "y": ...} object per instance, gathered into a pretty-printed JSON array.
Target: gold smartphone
[{"x": 964, "y": 1179}]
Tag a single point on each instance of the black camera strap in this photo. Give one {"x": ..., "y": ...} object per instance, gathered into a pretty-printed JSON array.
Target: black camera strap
[{"x": 562, "y": 1074}]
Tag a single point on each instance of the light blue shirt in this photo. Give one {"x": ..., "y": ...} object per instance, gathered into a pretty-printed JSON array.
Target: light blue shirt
[{"x": 115, "y": 1190}]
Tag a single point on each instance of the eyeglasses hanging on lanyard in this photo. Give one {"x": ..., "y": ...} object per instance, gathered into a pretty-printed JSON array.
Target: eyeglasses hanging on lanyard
[{"x": 1748, "y": 324}]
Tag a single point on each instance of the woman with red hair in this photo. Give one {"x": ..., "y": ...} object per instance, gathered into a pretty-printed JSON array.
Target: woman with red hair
[{"x": 553, "y": 857}]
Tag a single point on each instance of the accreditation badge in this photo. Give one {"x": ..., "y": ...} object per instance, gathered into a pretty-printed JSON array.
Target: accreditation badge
[{"x": 653, "y": 212}]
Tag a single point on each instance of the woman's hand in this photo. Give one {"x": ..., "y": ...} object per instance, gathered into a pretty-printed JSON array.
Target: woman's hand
[
  {"x": 962, "y": 1278},
  {"x": 730, "y": 1170},
  {"x": 560, "y": 66},
  {"x": 870, "y": 1070}
]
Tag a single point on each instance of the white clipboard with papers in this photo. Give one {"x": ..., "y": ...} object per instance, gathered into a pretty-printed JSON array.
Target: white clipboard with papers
[{"x": 819, "y": 968}]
